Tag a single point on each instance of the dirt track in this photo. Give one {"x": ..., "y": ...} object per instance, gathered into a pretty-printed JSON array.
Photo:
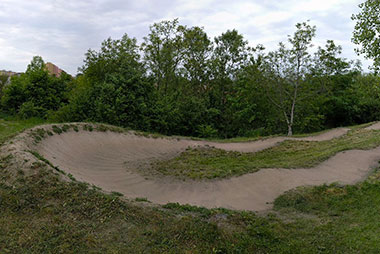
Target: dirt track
[
  {"x": 104, "y": 159},
  {"x": 375, "y": 126},
  {"x": 255, "y": 146}
]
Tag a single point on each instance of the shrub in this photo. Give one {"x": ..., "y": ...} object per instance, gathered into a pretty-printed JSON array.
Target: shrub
[
  {"x": 207, "y": 131},
  {"x": 28, "y": 110}
]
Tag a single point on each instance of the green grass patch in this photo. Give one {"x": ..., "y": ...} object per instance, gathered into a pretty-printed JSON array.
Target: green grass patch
[
  {"x": 66, "y": 127},
  {"x": 209, "y": 163},
  {"x": 142, "y": 200},
  {"x": 10, "y": 126},
  {"x": 344, "y": 216},
  {"x": 56, "y": 129},
  {"x": 88, "y": 127}
]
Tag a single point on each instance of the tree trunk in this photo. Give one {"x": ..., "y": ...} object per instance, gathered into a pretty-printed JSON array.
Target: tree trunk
[{"x": 290, "y": 131}]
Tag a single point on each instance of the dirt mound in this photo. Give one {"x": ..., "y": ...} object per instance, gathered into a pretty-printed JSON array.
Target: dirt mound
[{"x": 107, "y": 159}]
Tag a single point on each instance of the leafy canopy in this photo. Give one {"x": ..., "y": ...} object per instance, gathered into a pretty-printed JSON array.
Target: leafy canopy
[{"x": 367, "y": 31}]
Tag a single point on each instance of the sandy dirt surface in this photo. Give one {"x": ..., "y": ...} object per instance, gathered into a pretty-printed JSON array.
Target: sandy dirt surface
[
  {"x": 375, "y": 126},
  {"x": 259, "y": 145},
  {"x": 334, "y": 133},
  {"x": 107, "y": 160}
]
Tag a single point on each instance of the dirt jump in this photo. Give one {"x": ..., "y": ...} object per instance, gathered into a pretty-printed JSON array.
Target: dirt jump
[{"x": 108, "y": 160}]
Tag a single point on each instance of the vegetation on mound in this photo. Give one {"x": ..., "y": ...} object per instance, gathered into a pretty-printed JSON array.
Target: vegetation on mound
[{"x": 209, "y": 163}]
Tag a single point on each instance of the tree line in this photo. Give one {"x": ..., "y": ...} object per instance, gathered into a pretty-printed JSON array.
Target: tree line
[{"x": 179, "y": 81}]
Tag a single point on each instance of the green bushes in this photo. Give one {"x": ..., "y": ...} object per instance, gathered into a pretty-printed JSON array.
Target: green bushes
[
  {"x": 28, "y": 110},
  {"x": 180, "y": 82},
  {"x": 35, "y": 92}
]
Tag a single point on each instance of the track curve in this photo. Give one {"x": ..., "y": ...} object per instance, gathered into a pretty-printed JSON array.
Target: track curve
[{"x": 107, "y": 159}]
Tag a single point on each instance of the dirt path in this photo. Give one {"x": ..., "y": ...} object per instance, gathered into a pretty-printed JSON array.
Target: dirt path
[
  {"x": 103, "y": 159},
  {"x": 259, "y": 145},
  {"x": 375, "y": 126}
]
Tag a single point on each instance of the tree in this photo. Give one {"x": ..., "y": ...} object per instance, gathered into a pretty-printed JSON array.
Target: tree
[
  {"x": 367, "y": 31},
  {"x": 3, "y": 80},
  {"x": 35, "y": 91},
  {"x": 197, "y": 50},
  {"x": 327, "y": 61},
  {"x": 112, "y": 57},
  {"x": 113, "y": 88},
  {"x": 163, "y": 53},
  {"x": 230, "y": 56},
  {"x": 331, "y": 75},
  {"x": 286, "y": 70}
]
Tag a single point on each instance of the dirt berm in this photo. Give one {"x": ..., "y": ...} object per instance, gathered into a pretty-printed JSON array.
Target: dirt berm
[{"x": 106, "y": 159}]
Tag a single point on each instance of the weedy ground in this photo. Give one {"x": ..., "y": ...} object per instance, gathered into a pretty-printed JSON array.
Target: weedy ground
[{"x": 39, "y": 213}]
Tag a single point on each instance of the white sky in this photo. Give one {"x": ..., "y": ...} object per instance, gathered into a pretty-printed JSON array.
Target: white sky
[{"x": 61, "y": 31}]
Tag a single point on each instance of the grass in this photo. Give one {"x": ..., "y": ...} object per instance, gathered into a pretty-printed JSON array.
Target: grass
[
  {"x": 9, "y": 126},
  {"x": 345, "y": 216},
  {"x": 39, "y": 213},
  {"x": 209, "y": 163}
]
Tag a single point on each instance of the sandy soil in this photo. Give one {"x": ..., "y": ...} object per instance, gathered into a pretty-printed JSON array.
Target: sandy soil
[
  {"x": 107, "y": 159},
  {"x": 375, "y": 126}
]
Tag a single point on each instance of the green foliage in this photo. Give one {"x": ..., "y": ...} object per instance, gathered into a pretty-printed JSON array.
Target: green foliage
[
  {"x": 207, "y": 131},
  {"x": 366, "y": 90},
  {"x": 367, "y": 31},
  {"x": 10, "y": 125},
  {"x": 197, "y": 50},
  {"x": 162, "y": 53},
  {"x": 28, "y": 110},
  {"x": 56, "y": 129},
  {"x": 35, "y": 92},
  {"x": 181, "y": 82},
  {"x": 3, "y": 80},
  {"x": 286, "y": 70},
  {"x": 113, "y": 89}
]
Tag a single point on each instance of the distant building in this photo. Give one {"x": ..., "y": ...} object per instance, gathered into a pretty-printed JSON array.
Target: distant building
[
  {"x": 50, "y": 67},
  {"x": 53, "y": 69},
  {"x": 9, "y": 74}
]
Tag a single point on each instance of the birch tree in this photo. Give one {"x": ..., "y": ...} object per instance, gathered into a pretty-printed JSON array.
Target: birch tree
[{"x": 285, "y": 71}]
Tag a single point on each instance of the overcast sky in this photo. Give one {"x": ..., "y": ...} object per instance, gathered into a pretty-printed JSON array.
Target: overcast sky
[{"x": 61, "y": 31}]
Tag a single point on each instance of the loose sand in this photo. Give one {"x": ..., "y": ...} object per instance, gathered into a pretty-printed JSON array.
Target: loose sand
[{"x": 107, "y": 160}]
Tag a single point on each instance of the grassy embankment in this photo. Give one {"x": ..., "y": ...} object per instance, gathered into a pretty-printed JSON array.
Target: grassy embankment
[
  {"x": 209, "y": 163},
  {"x": 41, "y": 214}
]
